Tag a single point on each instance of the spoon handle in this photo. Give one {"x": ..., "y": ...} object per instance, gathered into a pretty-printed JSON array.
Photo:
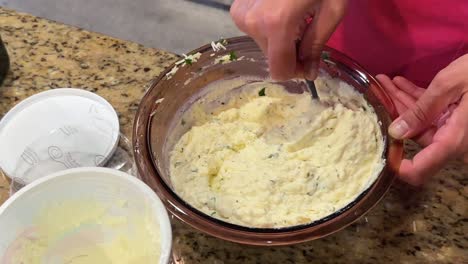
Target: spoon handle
[{"x": 313, "y": 90}]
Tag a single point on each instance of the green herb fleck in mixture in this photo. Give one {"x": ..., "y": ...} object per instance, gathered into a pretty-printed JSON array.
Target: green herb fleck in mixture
[
  {"x": 188, "y": 61},
  {"x": 325, "y": 55},
  {"x": 262, "y": 92},
  {"x": 274, "y": 155},
  {"x": 232, "y": 56}
]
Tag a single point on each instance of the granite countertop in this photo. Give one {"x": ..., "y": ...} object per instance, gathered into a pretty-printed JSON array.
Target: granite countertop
[{"x": 427, "y": 225}]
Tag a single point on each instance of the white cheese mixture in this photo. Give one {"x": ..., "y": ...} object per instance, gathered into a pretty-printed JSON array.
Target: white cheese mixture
[
  {"x": 87, "y": 232},
  {"x": 260, "y": 156}
]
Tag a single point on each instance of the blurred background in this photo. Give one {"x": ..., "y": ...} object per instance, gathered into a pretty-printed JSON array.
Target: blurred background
[{"x": 173, "y": 25}]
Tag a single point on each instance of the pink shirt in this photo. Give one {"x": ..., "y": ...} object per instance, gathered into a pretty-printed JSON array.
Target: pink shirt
[{"x": 411, "y": 38}]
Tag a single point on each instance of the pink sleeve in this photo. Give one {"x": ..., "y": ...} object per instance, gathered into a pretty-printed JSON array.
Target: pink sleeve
[{"x": 415, "y": 39}]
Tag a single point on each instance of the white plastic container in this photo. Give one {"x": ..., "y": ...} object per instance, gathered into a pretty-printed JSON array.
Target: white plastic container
[
  {"x": 105, "y": 186},
  {"x": 55, "y": 130}
]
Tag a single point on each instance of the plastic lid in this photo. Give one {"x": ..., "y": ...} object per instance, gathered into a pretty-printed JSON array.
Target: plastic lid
[{"x": 56, "y": 130}]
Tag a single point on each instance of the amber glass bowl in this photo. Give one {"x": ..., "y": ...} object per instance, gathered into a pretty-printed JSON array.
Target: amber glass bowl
[{"x": 154, "y": 136}]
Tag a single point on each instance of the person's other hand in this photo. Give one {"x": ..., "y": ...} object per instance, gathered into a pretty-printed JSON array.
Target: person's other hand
[
  {"x": 436, "y": 118},
  {"x": 276, "y": 25}
]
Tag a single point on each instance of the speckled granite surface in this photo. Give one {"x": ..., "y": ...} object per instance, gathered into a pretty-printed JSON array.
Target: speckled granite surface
[
  {"x": 429, "y": 225},
  {"x": 45, "y": 55}
]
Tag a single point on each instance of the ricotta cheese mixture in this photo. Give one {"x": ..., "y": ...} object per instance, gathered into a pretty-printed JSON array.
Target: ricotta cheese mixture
[
  {"x": 256, "y": 155},
  {"x": 85, "y": 232}
]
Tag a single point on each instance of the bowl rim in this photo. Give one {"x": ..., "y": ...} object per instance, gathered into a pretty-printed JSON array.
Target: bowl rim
[
  {"x": 393, "y": 150},
  {"x": 162, "y": 215}
]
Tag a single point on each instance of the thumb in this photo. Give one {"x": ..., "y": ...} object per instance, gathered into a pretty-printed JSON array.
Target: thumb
[
  {"x": 325, "y": 21},
  {"x": 419, "y": 116}
]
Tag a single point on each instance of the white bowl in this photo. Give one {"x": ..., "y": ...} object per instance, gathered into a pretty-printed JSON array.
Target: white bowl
[
  {"x": 56, "y": 130},
  {"x": 105, "y": 186}
]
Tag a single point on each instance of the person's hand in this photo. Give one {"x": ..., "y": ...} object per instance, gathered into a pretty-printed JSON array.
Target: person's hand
[
  {"x": 276, "y": 25},
  {"x": 436, "y": 117}
]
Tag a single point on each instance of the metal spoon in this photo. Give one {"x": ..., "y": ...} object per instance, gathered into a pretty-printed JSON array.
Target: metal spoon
[
  {"x": 310, "y": 84},
  {"x": 312, "y": 89}
]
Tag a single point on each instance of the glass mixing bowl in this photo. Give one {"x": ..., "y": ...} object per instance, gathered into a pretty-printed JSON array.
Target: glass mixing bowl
[{"x": 155, "y": 134}]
